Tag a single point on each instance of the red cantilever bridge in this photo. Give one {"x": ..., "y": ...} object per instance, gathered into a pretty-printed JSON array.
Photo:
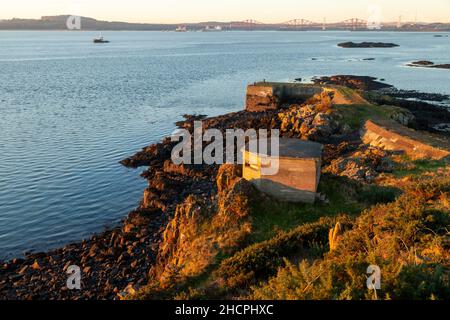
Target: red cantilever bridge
[{"x": 301, "y": 24}]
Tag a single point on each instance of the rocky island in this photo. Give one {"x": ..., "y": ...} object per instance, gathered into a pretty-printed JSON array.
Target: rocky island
[
  {"x": 367, "y": 45},
  {"x": 203, "y": 231},
  {"x": 428, "y": 64}
]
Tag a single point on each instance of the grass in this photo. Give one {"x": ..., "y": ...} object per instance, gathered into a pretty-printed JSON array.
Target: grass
[
  {"x": 407, "y": 238},
  {"x": 345, "y": 197},
  {"x": 283, "y": 230},
  {"x": 286, "y": 236},
  {"x": 355, "y": 115},
  {"x": 407, "y": 167},
  {"x": 347, "y": 92}
]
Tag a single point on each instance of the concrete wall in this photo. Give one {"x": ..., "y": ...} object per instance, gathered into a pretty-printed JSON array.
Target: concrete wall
[
  {"x": 261, "y": 98},
  {"x": 392, "y": 136},
  {"x": 294, "y": 92},
  {"x": 284, "y": 192},
  {"x": 264, "y": 96},
  {"x": 298, "y": 173},
  {"x": 296, "y": 181}
]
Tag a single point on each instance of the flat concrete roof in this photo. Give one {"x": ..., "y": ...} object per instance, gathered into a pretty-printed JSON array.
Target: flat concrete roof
[{"x": 295, "y": 148}]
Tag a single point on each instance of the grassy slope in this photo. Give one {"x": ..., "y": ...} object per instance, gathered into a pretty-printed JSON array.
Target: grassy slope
[{"x": 407, "y": 238}]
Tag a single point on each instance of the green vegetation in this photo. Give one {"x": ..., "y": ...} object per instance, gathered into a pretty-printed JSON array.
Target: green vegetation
[
  {"x": 279, "y": 231},
  {"x": 287, "y": 254},
  {"x": 261, "y": 260},
  {"x": 347, "y": 92},
  {"x": 344, "y": 197},
  {"x": 404, "y": 166},
  {"x": 408, "y": 239},
  {"x": 356, "y": 114}
]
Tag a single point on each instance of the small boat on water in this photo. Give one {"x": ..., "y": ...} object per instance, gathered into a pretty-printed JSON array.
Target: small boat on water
[
  {"x": 100, "y": 40},
  {"x": 181, "y": 29},
  {"x": 213, "y": 29}
]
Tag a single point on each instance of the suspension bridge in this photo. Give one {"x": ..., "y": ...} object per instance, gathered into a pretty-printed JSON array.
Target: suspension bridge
[{"x": 301, "y": 24}]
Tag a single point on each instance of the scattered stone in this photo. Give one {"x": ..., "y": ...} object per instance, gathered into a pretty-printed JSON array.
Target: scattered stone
[
  {"x": 307, "y": 122},
  {"x": 404, "y": 117},
  {"x": 128, "y": 228},
  {"x": 363, "y": 165},
  {"x": 23, "y": 269},
  {"x": 36, "y": 265},
  {"x": 87, "y": 270}
]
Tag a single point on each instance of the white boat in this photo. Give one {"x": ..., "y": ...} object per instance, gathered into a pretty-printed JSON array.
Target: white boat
[
  {"x": 181, "y": 29},
  {"x": 100, "y": 40},
  {"x": 213, "y": 29}
]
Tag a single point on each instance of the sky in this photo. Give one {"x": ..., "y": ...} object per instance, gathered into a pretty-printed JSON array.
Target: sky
[{"x": 268, "y": 11}]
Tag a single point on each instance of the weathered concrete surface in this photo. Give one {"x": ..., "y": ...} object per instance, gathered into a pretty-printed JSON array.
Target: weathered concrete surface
[
  {"x": 283, "y": 192},
  {"x": 298, "y": 176},
  {"x": 263, "y": 96},
  {"x": 390, "y": 135}
]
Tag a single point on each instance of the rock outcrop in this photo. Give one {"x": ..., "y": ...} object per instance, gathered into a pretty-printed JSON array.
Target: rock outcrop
[
  {"x": 109, "y": 263},
  {"x": 315, "y": 122},
  {"x": 428, "y": 64},
  {"x": 353, "y": 82},
  {"x": 199, "y": 230},
  {"x": 363, "y": 165},
  {"x": 367, "y": 45}
]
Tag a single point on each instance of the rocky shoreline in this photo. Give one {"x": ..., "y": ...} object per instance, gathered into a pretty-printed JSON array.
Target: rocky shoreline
[
  {"x": 117, "y": 262},
  {"x": 109, "y": 262},
  {"x": 354, "y": 82}
]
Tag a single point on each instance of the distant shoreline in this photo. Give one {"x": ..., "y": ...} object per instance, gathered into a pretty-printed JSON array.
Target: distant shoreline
[
  {"x": 236, "y": 30},
  {"x": 54, "y": 23}
]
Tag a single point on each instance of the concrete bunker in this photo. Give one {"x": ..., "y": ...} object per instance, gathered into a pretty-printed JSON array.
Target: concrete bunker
[
  {"x": 298, "y": 176},
  {"x": 263, "y": 96}
]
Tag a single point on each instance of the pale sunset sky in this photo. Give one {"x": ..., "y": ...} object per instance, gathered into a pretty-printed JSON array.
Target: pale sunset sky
[{"x": 173, "y": 11}]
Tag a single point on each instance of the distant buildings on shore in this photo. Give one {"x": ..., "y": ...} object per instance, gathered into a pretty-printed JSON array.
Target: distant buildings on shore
[{"x": 205, "y": 29}]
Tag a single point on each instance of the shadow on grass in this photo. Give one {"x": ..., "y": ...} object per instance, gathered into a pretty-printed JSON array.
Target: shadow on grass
[{"x": 345, "y": 196}]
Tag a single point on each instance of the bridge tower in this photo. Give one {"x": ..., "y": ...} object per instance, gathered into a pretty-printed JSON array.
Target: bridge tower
[{"x": 355, "y": 23}]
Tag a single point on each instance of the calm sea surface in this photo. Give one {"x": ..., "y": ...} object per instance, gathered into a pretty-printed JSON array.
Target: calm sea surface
[{"x": 70, "y": 110}]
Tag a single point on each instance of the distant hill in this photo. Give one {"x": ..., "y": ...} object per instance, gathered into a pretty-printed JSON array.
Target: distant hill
[{"x": 59, "y": 23}]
